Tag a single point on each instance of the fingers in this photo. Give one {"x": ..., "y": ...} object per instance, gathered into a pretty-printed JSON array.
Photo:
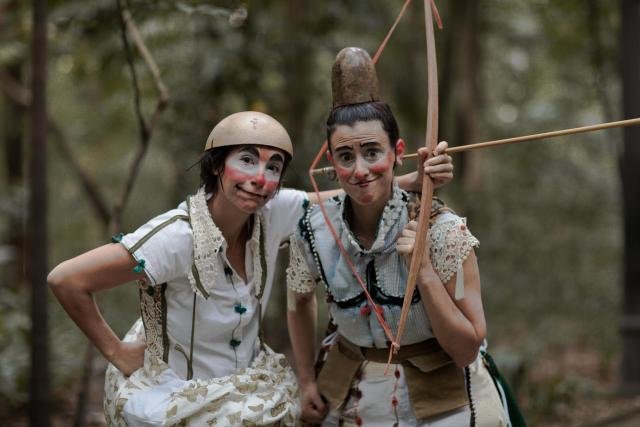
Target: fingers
[
  {"x": 140, "y": 344},
  {"x": 404, "y": 245},
  {"x": 439, "y": 166},
  {"x": 314, "y": 408},
  {"x": 423, "y": 153},
  {"x": 405, "y": 242},
  {"x": 313, "y": 416},
  {"x": 441, "y": 148},
  {"x": 439, "y": 159},
  {"x": 317, "y": 402}
]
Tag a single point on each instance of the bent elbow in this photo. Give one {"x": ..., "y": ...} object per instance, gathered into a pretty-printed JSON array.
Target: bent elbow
[
  {"x": 467, "y": 357},
  {"x": 58, "y": 280},
  {"x": 462, "y": 361},
  {"x": 55, "y": 279}
]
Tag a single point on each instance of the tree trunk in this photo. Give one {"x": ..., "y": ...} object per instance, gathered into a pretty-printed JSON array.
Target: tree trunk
[
  {"x": 630, "y": 327},
  {"x": 463, "y": 90},
  {"x": 594, "y": 10},
  {"x": 13, "y": 135},
  {"x": 37, "y": 222}
]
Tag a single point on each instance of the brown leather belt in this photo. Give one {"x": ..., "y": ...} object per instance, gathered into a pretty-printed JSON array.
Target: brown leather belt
[{"x": 381, "y": 355}]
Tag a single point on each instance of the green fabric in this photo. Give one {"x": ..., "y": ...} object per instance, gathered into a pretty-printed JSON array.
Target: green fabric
[{"x": 517, "y": 419}]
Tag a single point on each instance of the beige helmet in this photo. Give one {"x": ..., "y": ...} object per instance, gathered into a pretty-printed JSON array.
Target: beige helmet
[
  {"x": 249, "y": 128},
  {"x": 353, "y": 78}
]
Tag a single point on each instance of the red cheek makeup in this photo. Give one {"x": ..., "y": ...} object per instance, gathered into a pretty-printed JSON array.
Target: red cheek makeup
[{"x": 382, "y": 166}]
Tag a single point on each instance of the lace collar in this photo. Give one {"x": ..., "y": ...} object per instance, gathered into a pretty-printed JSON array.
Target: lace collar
[
  {"x": 208, "y": 243},
  {"x": 386, "y": 232}
]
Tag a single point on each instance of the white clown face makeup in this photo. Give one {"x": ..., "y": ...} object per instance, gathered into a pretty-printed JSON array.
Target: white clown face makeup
[
  {"x": 251, "y": 176},
  {"x": 257, "y": 163},
  {"x": 364, "y": 160}
]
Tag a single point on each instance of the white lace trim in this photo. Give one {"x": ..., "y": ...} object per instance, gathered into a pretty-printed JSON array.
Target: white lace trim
[
  {"x": 208, "y": 242},
  {"x": 299, "y": 279},
  {"x": 254, "y": 245},
  {"x": 152, "y": 315},
  {"x": 451, "y": 244}
]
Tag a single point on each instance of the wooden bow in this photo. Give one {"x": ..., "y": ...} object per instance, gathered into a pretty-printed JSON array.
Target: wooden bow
[{"x": 427, "y": 184}]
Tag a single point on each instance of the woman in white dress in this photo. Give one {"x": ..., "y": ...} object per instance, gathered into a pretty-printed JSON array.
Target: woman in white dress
[
  {"x": 438, "y": 377},
  {"x": 205, "y": 271}
]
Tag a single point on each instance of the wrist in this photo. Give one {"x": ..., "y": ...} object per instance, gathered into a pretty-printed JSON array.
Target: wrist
[
  {"x": 428, "y": 278},
  {"x": 112, "y": 352},
  {"x": 409, "y": 182},
  {"x": 309, "y": 388},
  {"x": 306, "y": 380}
]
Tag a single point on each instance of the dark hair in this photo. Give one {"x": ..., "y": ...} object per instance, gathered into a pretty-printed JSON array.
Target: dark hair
[
  {"x": 350, "y": 114},
  {"x": 212, "y": 167}
]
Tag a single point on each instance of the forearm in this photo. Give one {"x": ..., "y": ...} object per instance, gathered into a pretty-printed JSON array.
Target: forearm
[
  {"x": 453, "y": 330},
  {"x": 408, "y": 182},
  {"x": 81, "y": 306},
  {"x": 74, "y": 283},
  {"x": 302, "y": 328}
]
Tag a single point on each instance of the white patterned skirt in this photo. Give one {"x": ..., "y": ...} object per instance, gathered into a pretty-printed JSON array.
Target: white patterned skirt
[{"x": 265, "y": 393}]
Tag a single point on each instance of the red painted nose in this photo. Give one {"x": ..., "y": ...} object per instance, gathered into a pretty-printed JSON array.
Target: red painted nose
[{"x": 260, "y": 180}]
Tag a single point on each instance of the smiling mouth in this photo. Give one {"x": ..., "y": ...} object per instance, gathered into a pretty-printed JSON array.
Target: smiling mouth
[
  {"x": 253, "y": 195},
  {"x": 364, "y": 184}
]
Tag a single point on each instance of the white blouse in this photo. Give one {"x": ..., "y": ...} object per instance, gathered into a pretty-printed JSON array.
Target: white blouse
[{"x": 225, "y": 325}]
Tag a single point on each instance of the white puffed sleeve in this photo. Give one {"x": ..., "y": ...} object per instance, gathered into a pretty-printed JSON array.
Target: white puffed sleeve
[
  {"x": 451, "y": 244},
  {"x": 163, "y": 246}
]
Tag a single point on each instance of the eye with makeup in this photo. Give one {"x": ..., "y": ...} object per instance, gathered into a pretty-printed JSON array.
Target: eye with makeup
[
  {"x": 243, "y": 160},
  {"x": 373, "y": 154},
  {"x": 345, "y": 157},
  {"x": 248, "y": 159},
  {"x": 274, "y": 169}
]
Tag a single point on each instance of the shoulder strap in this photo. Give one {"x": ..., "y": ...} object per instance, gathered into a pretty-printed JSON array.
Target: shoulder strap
[{"x": 156, "y": 229}]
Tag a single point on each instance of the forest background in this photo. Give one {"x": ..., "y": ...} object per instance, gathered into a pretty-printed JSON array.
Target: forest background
[{"x": 548, "y": 214}]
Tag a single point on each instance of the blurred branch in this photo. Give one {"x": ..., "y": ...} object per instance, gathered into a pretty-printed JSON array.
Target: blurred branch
[
  {"x": 22, "y": 97},
  {"x": 88, "y": 183},
  {"x": 163, "y": 93},
  {"x": 129, "y": 28}
]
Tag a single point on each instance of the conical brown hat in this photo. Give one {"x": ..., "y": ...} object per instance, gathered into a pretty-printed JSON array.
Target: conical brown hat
[
  {"x": 249, "y": 128},
  {"x": 353, "y": 78}
]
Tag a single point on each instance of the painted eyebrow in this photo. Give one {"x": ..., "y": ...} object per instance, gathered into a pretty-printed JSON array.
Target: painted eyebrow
[
  {"x": 364, "y": 144},
  {"x": 253, "y": 150},
  {"x": 276, "y": 157},
  {"x": 249, "y": 149},
  {"x": 344, "y": 148}
]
